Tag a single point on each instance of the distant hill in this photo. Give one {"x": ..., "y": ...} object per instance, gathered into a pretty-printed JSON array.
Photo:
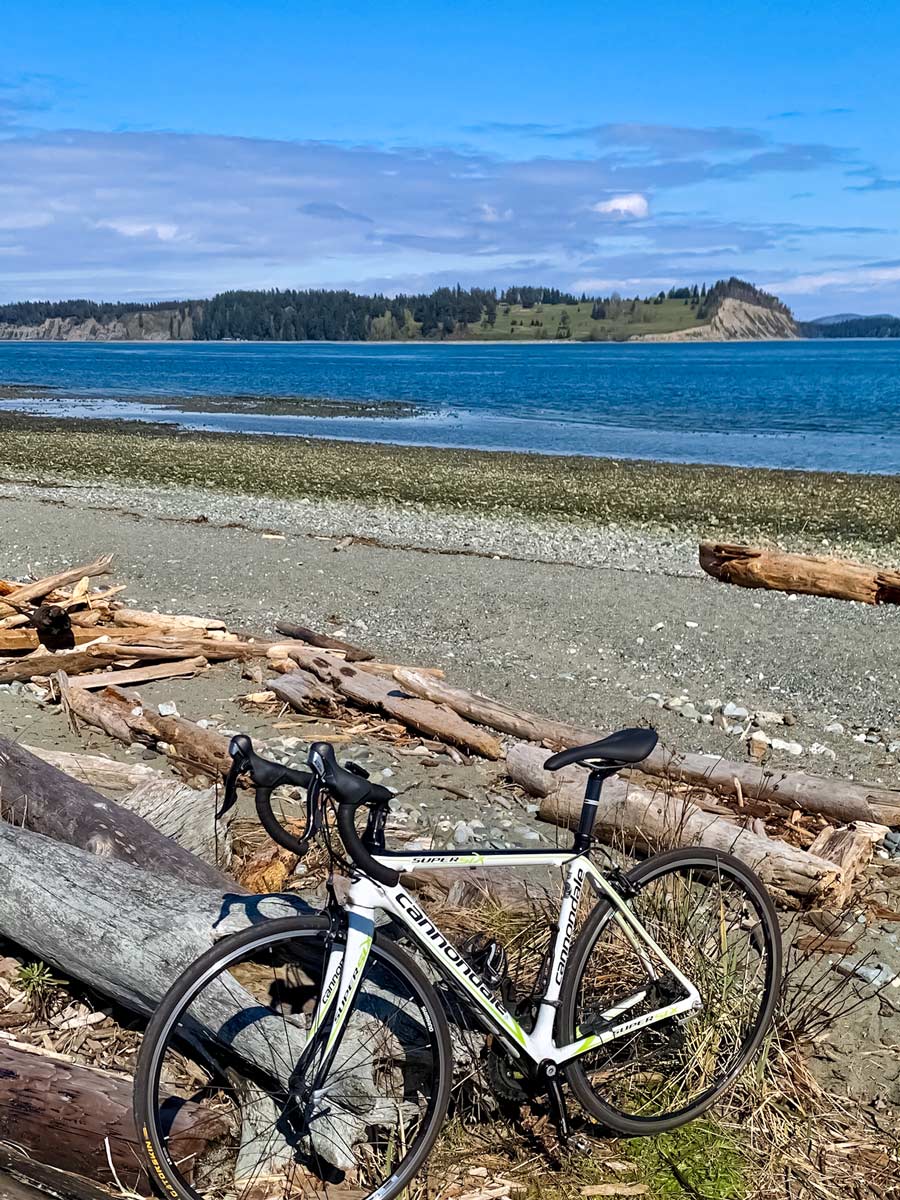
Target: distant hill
[
  {"x": 730, "y": 310},
  {"x": 850, "y": 326},
  {"x": 842, "y": 318}
]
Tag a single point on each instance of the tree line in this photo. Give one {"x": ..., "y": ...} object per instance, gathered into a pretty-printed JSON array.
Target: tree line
[
  {"x": 855, "y": 327},
  {"x": 321, "y": 314}
]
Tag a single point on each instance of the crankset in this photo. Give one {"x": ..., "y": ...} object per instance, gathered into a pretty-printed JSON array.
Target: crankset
[{"x": 508, "y": 1082}]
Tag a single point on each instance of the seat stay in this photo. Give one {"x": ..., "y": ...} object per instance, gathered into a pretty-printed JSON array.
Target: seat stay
[{"x": 539, "y": 1045}]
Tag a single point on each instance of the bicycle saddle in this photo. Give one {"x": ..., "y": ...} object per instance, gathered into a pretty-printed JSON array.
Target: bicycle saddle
[{"x": 625, "y": 746}]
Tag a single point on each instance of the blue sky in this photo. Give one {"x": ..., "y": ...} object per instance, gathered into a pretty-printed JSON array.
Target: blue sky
[{"x": 158, "y": 150}]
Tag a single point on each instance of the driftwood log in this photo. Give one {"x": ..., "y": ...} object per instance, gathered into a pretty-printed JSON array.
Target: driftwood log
[
  {"x": 374, "y": 691},
  {"x": 25, "y": 594},
  {"x": 78, "y": 1119},
  {"x": 303, "y": 691},
  {"x": 87, "y": 658},
  {"x": 838, "y": 799},
  {"x": 835, "y": 798},
  {"x": 38, "y": 797},
  {"x": 646, "y": 821},
  {"x": 127, "y": 934},
  {"x": 137, "y": 675},
  {"x": 164, "y": 622},
  {"x": 321, "y": 641},
  {"x": 808, "y": 574},
  {"x": 97, "y": 770},
  {"x": 190, "y": 747},
  {"x": 185, "y": 814},
  {"x": 528, "y": 727}
]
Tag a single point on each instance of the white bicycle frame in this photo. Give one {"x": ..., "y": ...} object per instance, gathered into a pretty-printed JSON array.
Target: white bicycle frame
[{"x": 366, "y": 898}]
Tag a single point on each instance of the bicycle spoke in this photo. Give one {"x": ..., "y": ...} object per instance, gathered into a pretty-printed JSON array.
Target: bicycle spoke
[
  {"x": 709, "y": 926},
  {"x": 333, "y": 1130}
]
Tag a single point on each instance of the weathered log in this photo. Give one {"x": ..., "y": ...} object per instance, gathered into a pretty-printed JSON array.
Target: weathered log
[
  {"x": 808, "y": 574},
  {"x": 189, "y": 746},
  {"x": 17, "y": 640},
  {"x": 97, "y": 770},
  {"x": 29, "y": 592},
  {"x": 321, "y": 641},
  {"x": 374, "y": 691},
  {"x": 136, "y": 675},
  {"x": 41, "y": 798},
  {"x": 494, "y": 713},
  {"x": 303, "y": 691},
  {"x": 388, "y": 668},
  {"x": 164, "y": 622},
  {"x": 68, "y": 1116},
  {"x": 19, "y": 1171},
  {"x": 127, "y": 934},
  {"x": 186, "y": 815},
  {"x": 852, "y": 848},
  {"x": 647, "y": 821},
  {"x": 839, "y": 799},
  {"x": 89, "y": 658}
]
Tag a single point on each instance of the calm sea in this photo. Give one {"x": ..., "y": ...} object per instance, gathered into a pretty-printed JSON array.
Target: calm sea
[{"x": 815, "y": 405}]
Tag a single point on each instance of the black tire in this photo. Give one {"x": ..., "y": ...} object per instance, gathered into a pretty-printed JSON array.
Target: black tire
[
  {"x": 173, "y": 1029},
  {"x": 608, "y": 1068}
]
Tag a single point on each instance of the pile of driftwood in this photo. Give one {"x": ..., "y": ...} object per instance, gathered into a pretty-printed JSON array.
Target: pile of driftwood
[
  {"x": 673, "y": 797},
  {"x": 120, "y": 894}
]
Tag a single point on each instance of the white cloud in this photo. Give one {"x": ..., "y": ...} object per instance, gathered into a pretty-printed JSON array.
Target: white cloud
[
  {"x": 851, "y": 279},
  {"x": 163, "y": 231},
  {"x": 166, "y": 214},
  {"x": 632, "y": 204}
]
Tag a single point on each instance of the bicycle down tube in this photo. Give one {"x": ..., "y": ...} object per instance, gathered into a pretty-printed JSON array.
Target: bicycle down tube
[{"x": 366, "y": 897}]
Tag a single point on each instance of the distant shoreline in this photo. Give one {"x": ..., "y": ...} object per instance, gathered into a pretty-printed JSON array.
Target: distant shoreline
[{"x": 638, "y": 340}]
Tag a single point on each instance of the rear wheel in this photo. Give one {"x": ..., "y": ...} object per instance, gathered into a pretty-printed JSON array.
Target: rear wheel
[
  {"x": 223, "y": 1116},
  {"x": 713, "y": 918}
]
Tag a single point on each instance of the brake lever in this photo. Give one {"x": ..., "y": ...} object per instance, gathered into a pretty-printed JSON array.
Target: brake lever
[{"x": 230, "y": 796}]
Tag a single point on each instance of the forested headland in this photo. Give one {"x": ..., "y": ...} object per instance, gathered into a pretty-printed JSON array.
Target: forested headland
[{"x": 521, "y": 313}]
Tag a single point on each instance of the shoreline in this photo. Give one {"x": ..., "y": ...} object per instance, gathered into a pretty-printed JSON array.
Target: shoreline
[{"x": 839, "y": 512}]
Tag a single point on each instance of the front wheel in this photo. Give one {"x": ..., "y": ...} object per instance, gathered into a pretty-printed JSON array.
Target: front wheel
[
  {"x": 226, "y": 1113},
  {"x": 712, "y": 917}
]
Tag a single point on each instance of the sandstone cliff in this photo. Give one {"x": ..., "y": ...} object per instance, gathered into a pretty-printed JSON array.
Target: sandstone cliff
[
  {"x": 735, "y": 321},
  {"x": 139, "y": 326}
]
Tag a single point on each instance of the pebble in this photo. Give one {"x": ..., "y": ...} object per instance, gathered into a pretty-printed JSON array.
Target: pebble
[
  {"x": 462, "y": 833},
  {"x": 168, "y": 708},
  {"x": 876, "y": 974},
  {"x": 834, "y": 727},
  {"x": 794, "y": 748},
  {"x": 818, "y": 748},
  {"x": 736, "y": 712}
]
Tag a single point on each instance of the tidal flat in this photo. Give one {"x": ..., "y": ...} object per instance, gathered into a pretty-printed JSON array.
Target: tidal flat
[{"x": 819, "y": 511}]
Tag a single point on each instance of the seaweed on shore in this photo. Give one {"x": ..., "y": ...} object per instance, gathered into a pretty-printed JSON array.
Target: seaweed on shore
[{"x": 726, "y": 502}]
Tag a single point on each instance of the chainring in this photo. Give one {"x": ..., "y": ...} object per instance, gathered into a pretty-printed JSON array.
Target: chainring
[{"x": 506, "y": 1081}]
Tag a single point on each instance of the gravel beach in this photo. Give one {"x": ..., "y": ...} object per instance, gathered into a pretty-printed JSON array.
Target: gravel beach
[{"x": 605, "y": 624}]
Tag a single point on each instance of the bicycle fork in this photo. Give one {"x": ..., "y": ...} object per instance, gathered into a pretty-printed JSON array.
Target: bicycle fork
[{"x": 340, "y": 984}]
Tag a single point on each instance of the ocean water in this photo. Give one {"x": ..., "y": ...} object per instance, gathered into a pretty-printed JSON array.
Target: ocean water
[{"x": 819, "y": 405}]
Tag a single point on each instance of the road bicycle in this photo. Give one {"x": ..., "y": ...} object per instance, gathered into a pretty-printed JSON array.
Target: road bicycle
[{"x": 312, "y": 1056}]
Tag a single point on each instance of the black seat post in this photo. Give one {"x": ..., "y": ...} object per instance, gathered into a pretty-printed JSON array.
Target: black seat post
[{"x": 591, "y": 800}]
